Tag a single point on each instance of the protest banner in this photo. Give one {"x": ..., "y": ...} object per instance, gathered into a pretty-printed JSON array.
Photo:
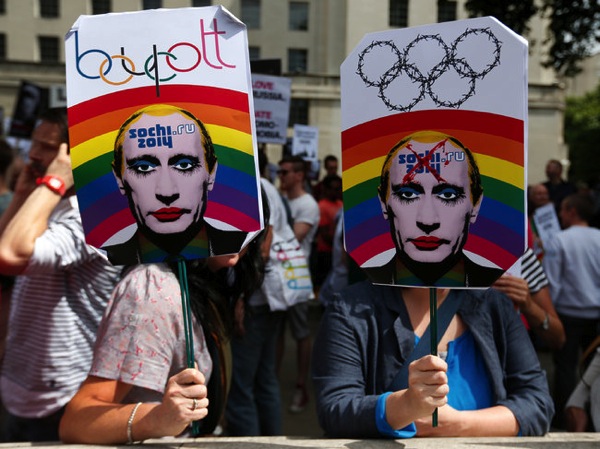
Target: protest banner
[
  {"x": 160, "y": 80},
  {"x": 546, "y": 222},
  {"x": 305, "y": 142},
  {"x": 434, "y": 132},
  {"x": 272, "y": 95}
]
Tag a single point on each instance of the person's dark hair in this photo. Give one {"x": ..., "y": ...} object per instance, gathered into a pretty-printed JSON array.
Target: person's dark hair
[
  {"x": 556, "y": 162},
  {"x": 583, "y": 205},
  {"x": 213, "y": 294},
  {"x": 157, "y": 110},
  {"x": 7, "y": 156},
  {"x": 297, "y": 162},
  {"x": 329, "y": 180},
  {"x": 57, "y": 116},
  {"x": 329, "y": 158}
]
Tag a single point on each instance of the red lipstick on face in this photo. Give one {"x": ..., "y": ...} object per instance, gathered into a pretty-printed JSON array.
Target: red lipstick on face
[
  {"x": 426, "y": 243},
  {"x": 167, "y": 214}
]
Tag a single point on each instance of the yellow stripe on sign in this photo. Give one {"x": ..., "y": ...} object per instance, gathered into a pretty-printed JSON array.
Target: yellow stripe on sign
[
  {"x": 92, "y": 148},
  {"x": 231, "y": 138},
  {"x": 501, "y": 170},
  {"x": 363, "y": 172}
]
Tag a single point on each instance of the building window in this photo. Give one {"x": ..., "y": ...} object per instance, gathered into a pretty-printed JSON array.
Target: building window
[
  {"x": 254, "y": 53},
  {"x": 49, "y": 8},
  {"x": 297, "y": 60},
  {"x": 2, "y": 6},
  {"x": 101, "y": 6},
  {"x": 2, "y": 47},
  {"x": 199, "y": 3},
  {"x": 446, "y": 10},
  {"x": 398, "y": 13},
  {"x": 151, "y": 4},
  {"x": 251, "y": 13},
  {"x": 49, "y": 48},
  {"x": 298, "y": 20},
  {"x": 298, "y": 111}
]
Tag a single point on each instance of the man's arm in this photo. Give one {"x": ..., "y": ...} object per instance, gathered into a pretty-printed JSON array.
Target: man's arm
[
  {"x": 26, "y": 218},
  {"x": 301, "y": 230}
]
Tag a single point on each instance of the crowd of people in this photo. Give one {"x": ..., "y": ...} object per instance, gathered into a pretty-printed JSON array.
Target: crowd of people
[{"x": 95, "y": 352}]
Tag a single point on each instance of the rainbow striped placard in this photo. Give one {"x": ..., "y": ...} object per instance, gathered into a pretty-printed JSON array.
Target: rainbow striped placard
[
  {"x": 497, "y": 143},
  {"x": 93, "y": 127},
  {"x": 192, "y": 58},
  {"x": 466, "y": 79}
]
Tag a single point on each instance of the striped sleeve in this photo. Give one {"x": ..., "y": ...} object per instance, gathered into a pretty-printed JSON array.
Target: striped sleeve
[{"x": 533, "y": 272}]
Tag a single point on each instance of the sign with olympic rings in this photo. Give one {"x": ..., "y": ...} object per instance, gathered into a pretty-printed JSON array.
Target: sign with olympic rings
[
  {"x": 162, "y": 133},
  {"x": 434, "y": 137}
]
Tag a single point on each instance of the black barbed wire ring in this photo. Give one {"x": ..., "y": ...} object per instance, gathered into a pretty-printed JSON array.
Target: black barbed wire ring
[
  {"x": 361, "y": 61},
  {"x": 462, "y": 66},
  {"x": 426, "y": 82}
]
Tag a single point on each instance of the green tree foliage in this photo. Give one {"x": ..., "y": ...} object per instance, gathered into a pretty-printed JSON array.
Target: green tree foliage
[
  {"x": 573, "y": 30},
  {"x": 513, "y": 14},
  {"x": 582, "y": 134}
]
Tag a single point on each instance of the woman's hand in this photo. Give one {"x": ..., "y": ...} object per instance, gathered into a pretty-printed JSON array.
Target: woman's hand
[
  {"x": 427, "y": 385},
  {"x": 427, "y": 390},
  {"x": 184, "y": 401}
]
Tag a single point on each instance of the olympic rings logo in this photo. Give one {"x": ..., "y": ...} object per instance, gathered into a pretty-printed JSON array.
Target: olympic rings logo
[
  {"x": 426, "y": 80},
  {"x": 179, "y": 58}
]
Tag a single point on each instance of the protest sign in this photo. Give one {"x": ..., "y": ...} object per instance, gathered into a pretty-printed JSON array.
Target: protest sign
[
  {"x": 30, "y": 102},
  {"x": 141, "y": 85},
  {"x": 305, "y": 142},
  {"x": 272, "y": 95},
  {"x": 434, "y": 132},
  {"x": 546, "y": 222}
]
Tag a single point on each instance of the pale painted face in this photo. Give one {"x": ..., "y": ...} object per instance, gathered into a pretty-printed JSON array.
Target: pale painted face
[
  {"x": 429, "y": 200},
  {"x": 165, "y": 174}
]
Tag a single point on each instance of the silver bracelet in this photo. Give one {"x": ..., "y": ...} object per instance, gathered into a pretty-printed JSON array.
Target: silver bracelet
[{"x": 130, "y": 423}]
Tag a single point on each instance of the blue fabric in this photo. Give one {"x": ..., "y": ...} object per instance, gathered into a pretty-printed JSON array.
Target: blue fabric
[
  {"x": 382, "y": 423},
  {"x": 469, "y": 381},
  {"x": 365, "y": 336}
]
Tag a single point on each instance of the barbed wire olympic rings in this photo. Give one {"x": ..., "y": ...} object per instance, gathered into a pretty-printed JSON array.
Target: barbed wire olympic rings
[{"x": 450, "y": 61}]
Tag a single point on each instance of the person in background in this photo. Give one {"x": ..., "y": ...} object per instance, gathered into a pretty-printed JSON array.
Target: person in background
[
  {"x": 571, "y": 265},
  {"x": 329, "y": 205},
  {"x": 582, "y": 412},
  {"x": 8, "y": 156},
  {"x": 537, "y": 197},
  {"x": 338, "y": 277},
  {"x": 331, "y": 166},
  {"x": 558, "y": 188},
  {"x": 305, "y": 215},
  {"x": 254, "y": 401},
  {"x": 60, "y": 293},
  {"x": 531, "y": 296}
]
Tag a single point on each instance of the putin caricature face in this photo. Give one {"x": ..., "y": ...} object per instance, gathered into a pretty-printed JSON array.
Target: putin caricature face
[
  {"x": 165, "y": 164},
  {"x": 430, "y": 193}
]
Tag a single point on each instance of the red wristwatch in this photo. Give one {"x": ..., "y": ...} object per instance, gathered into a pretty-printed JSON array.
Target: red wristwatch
[{"x": 54, "y": 183}]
